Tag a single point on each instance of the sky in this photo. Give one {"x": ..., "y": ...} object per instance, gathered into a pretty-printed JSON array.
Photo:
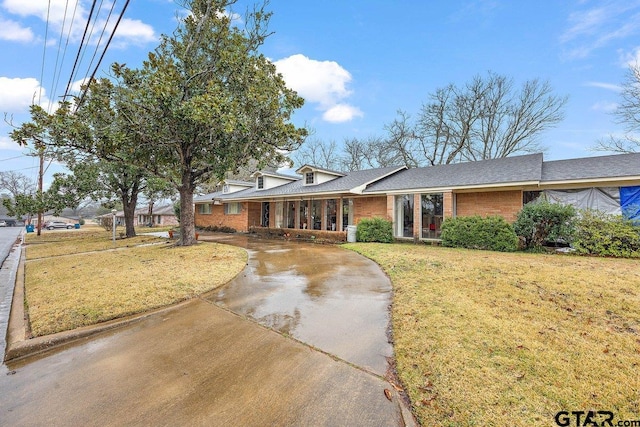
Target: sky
[{"x": 355, "y": 62}]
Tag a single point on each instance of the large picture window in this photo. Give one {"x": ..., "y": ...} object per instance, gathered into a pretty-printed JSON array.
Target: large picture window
[
  {"x": 316, "y": 214},
  {"x": 304, "y": 214},
  {"x": 431, "y": 207},
  {"x": 291, "y": 214},
  {"x": 347, "y": 213},
  {"x": 331, "y": 217},
  {"x": 404, "y": 215}
]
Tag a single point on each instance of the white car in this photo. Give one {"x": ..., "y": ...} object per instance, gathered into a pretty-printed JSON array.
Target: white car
[
  {"x": 3, "y": 223},
  {"x": 57, "y": 224}
]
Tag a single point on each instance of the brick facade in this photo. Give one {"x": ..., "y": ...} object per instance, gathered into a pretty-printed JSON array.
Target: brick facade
[
  {"x": 506, "y": 204},
  {"x": 217, "y": 218},
  {"x": 369, "y": 207}
]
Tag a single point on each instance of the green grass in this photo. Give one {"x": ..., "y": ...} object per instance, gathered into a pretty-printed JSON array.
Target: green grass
[{"x": 487, "y": 338}]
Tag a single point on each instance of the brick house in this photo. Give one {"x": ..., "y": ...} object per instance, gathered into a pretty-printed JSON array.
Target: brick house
[{"x": 418, "y": 200}]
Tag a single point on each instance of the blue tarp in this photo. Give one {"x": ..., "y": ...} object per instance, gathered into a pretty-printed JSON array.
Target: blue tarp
[{"x": 630, "y": 202}]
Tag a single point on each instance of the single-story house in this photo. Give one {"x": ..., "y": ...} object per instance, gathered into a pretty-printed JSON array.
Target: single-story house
[
  {"x": 418, "y": 200},
  {"x": 161, "y": 215}
]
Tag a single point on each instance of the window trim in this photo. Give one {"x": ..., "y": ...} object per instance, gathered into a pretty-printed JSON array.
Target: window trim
[
  {"x": 309, "y": 178},
  {"x": 205, "y": 211},
  {"x": 260, "y": 182}
]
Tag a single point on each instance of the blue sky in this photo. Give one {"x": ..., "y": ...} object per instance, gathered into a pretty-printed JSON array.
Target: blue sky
[{"x": 355, "y": 62}]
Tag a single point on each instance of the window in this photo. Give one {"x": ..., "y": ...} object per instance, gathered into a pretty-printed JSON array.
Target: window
[
  {"x": 304, "y": 212},
  {"x": 316, "y": 214},
  {"x": 204, "y": 208},
  {"x": 232, "y": 208},
  {"x": 279, "y": 214},
  {"x": 260, "y": 182},
  {"x": 308, "y": 178},
  {"x": 331, "y": 218},
  {"x": 347, "y": 213},
  {"x": 404, "y": 215},
  {"x": 225, "y": 188},
  {"x": 291, "y": 215},
  {"x": 431, "y": 206}
]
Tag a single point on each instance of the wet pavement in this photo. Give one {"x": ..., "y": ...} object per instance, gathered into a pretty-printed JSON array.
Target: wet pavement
[
  {"x": 327, "y": 297},
  {"x": 201, "y": 364},
  {"x": 9, "y": 258}
]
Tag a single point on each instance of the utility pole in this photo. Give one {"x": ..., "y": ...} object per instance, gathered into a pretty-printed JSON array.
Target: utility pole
[{"x": 40, "y": 179}]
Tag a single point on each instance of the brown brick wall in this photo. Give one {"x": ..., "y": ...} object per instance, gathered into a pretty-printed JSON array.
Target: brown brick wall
[
  {"x": 254, "y": 213},
  {"x": 369, "y": 207},
  {"x": 217, "y": 218},
  {"x": 506, "y": 204}
]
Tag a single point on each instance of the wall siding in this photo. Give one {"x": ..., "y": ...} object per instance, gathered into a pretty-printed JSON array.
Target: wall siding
[{"x": 506, "y": 204}]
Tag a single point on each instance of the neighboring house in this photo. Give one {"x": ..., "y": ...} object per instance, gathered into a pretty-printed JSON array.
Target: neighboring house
[
  {"x": 162, "y": 215},
  {"x": 418, "y": 200}
]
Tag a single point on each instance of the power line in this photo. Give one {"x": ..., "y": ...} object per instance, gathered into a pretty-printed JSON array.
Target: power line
[
  {"x": 54, "y": 84},
  {"x": 75, "y": 64},
  {"x": 86, "y": 88},
  {"x": 44, "y": 51}
]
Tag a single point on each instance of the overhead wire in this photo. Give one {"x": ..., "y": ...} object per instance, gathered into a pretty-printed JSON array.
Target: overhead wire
[
  {"x": 80, "y": 48},
  {"x": 104, "y": 29},
  {"x": 55, "y": 67},
  {"x": 44, "y": 52},
  {"x": 74, "y": 77},
  {"x": 104, "y": 51},
  {"x": 66, "y": 44}
]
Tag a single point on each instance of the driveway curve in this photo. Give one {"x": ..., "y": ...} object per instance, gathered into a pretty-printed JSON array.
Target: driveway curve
[
  {"x": 200, "y": 364},
  {"x": 332, "y": 299}
]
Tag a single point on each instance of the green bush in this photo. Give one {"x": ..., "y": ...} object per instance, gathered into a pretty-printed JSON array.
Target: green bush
[
  {"x": 475, "y": 232},
  {"x": 540, "y": 222},
  {"x": 606, "y": 235},
  {"x": 374, "y": 230}
]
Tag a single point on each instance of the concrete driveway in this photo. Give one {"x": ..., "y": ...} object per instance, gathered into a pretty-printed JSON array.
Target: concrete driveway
[{"x": 199, "y": 363}]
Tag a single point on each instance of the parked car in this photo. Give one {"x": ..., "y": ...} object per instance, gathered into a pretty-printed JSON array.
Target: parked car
[
  {"x": 3, "y": 223},
  {"x": 57, "y": 224}
]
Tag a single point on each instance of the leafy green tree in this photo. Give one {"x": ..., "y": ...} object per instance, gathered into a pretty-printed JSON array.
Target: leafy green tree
[{"x": 206, "y": 101}]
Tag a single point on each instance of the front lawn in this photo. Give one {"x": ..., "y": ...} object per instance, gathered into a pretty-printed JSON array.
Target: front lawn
[
  {"x": 74, "y": 279},
  {"x": 487, "y": 338}
]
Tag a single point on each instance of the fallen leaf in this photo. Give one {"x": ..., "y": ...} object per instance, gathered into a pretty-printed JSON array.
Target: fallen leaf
[{"x": 387, "y": 394}]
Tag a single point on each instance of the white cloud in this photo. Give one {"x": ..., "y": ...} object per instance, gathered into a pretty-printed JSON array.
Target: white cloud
[
  {"x": 607, "y": 86},
  {"x": 341, "y": 113},
  {"x": 7, "y": 143},
  {"x": 631, "y": 59},
  {"x": 133, "y": 30},
  {"x": 319, "y": 82},
  {"x": 67, "y": 13},
  {"x": 607, "y": 107},
  {"x": 18, "y": 94},
  {"x": 13, "y": 31},
  {"x": 594, "y": 28}
]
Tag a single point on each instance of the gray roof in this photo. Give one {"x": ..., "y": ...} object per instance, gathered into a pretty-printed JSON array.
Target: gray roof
[
  {"x": 297, "y": 188},
  {"x": 237, "y": 182},
  {"x": 614, "y": 166},
  {"x": 210, "y": 196},
  {"x": 506, "y": 170}
]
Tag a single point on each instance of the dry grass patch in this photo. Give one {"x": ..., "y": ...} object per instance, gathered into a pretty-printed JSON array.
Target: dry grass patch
[
  {"x": 486, "y": 338},
  {"x": 67, "y": 242},
  {"x": 64, "y": 293}
]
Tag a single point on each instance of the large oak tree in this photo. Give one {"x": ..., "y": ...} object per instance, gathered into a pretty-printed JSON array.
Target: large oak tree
[{"x": 206, "y": 101}]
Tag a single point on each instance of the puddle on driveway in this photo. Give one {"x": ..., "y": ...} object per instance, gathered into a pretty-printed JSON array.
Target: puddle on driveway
[{"x": 330, "y": 298}]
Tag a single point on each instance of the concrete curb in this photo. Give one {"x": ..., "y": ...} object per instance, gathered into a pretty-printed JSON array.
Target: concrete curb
[{"x": 18, "y": 343}]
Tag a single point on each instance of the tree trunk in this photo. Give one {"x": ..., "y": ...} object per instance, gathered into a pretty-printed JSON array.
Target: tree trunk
[
  {"x": 129, "y": 208},
  {"x": 187, "y": 225}
]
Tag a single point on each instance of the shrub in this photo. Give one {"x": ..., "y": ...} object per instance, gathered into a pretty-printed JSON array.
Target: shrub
[
  {"x": 375, "y": 230},
  {"x": 475, "y": 232},
  {"x": 541, "y": 222},
  {"x": 606, "y": 235}
]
